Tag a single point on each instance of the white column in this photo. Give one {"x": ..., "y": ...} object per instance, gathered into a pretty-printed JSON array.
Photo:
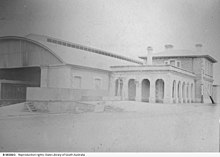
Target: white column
[
  {"x": 190, "y": 94},
  {"x": 168, "y": 90},
  {"x": 176, "y": 93},
  {"x": 152, "y": 91},
  {"x": 125, "y": 89},
  {"x": 180, "y": 92},
  {"x": 138, "y": 90},
  {"x": 112, "y": 86},
  {"x": 185, "y": 91},
  {"x": 193, "y": 93}
]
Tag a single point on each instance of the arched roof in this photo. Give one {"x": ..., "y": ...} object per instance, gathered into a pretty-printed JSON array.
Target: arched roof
[
  {"x": 80, "y": 55},
  {"x": 31, "y": 41}
]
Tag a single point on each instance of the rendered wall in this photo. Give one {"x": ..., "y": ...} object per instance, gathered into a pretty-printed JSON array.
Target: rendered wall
[
  {"x": 88, "y": 77},
  {"x": 56, "y": 77},
  {"x": 63, "y": 77}
]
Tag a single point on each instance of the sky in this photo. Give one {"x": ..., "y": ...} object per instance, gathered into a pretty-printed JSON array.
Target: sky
[{"x": 125, "y": 27}]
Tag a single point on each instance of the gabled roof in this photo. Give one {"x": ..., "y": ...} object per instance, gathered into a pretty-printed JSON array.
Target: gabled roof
[
  {"x": 181, "y": 53},
  {"x": 76, "y": 54}
]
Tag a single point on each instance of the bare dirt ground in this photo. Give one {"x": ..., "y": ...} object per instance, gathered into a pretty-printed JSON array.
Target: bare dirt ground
[{"x": 138, "y": 127}]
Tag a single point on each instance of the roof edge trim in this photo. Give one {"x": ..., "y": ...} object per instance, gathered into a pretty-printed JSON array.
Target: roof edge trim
[
  {"x": 90, "y": 49},
  {"x": 188, "y": 56}
]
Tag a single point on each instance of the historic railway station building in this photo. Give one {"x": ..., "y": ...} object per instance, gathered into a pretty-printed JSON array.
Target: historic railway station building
[{"x": 37, "y": 67}]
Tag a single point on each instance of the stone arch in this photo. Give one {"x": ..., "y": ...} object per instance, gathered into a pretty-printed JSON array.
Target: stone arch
[
  {"x": 118, "y": 87},
  {"x": 174, "y": 92},
  {"x": 145, "y": 90},
  {"x": 131, "y": 89},
  {"x": 192, "y": 93},
  {"x": 184, "y": 92},
  {"x": 159, "y": 92}
]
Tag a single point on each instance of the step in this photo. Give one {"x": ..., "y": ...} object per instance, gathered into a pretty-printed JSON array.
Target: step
[{"x": 30, "y": 107}]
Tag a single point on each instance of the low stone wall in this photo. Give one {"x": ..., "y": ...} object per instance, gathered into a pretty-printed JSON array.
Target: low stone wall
[
  {"x": 216, "y": 93},
  {"x": 62, "y": 106},
  {"x": 6, "y": 102},
  {"x": 12, "y": 109},
  {"x": 63, "y": 94}
]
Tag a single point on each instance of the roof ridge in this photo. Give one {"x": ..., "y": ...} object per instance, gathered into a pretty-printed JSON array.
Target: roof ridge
[{"x": 88, "y": 48}]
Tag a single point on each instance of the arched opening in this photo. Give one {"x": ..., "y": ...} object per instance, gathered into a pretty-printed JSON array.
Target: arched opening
[
  {"x": 159, "y": 91},
  {"x": 187, "y": 93},
  {"x": 118, "y": 87},
  {"x": 21, "y": 64},
  {"x": 145, "y": 90},
  {"x": 179, "y": 91},
  {"x": 14, "y": 83},
  {"x": 183, "y": 92},
  {"x": 192, "y": 93},
  {"x": 131, "y": 89},
  {"x": 174, "y": 91}
]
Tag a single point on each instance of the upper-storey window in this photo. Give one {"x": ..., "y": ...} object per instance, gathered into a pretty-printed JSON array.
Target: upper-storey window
[
  {"x": 173, "y": 62},
  {"x": 178, "y": 64},
  {"x": 98, "y": 83},
  {"x": 208, "y": 68},
  {"x": 77, "y": 82}
]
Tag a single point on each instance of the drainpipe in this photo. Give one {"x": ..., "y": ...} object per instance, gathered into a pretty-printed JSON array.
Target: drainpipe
[{"x": 202, "y": 83}]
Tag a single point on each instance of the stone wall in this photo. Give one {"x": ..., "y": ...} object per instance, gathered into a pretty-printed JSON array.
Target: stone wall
[
  {"x": 62, "y": 94},
  {"x": 62, "y": 76},
  {"x": 186, "y": 63}
]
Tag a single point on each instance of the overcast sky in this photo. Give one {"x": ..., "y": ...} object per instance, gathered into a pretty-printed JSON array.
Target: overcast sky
[{"x": 125, "y": 27}]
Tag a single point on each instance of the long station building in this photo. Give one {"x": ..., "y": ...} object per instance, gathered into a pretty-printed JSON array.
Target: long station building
[{"x": 37, "y": 67}]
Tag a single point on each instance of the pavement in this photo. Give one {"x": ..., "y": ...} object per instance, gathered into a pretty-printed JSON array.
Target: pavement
[{"x": 139, "y": 127}]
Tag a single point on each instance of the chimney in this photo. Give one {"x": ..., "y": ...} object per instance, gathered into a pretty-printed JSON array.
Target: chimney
[
  {"x": 168, "y": 46},
  {"x": 198, "y": 47},
  {"x": 149, "y": 55}
]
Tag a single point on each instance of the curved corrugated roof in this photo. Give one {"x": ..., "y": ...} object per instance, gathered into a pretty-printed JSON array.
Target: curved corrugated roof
[
  {"x": 181, "y": 53},
  {"x": 32, "y": 41},
  {"x": 76, "y": 54}
]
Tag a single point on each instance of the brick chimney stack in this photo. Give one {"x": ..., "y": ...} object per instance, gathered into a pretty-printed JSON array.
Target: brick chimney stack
[
  {"x": 198, "y": 47},
  {"x": 149, "y": 55},
  {"x": 168, "y": 46}
]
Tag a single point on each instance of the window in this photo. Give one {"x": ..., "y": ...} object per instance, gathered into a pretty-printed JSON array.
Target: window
[
  {"x": 166, "y": 62},
  {"x": 178, "y": 64},
  {"x": 77, "y": 82},
  {"x": 172, "y": 62},
  {"x": 97, "y": 83}
]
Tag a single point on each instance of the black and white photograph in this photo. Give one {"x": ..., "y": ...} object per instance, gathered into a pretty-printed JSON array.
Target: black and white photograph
[{"x": 110, "y": 76}]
